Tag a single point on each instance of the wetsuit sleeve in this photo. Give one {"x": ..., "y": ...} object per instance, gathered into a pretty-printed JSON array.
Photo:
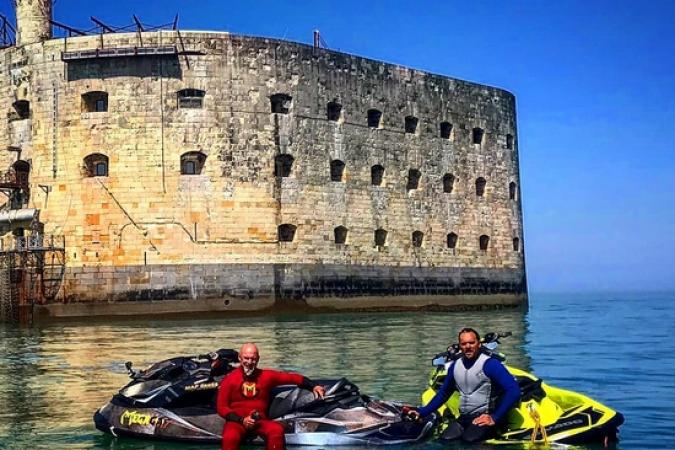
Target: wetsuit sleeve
[
  {"x": 281, "y": 378},
  {"x": 442, "y": 395},
  {"x": 223, "y": 402},
  {"x": 498, "y": 374}
]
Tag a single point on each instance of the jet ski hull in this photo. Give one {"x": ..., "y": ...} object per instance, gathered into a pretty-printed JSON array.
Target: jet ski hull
[{"x": 191, "y": 426}]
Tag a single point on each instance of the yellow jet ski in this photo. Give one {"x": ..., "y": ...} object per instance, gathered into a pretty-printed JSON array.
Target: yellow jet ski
[{"x": 545, "y": 413}]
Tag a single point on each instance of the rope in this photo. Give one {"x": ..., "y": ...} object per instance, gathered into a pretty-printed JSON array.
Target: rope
[{"x": 538, "y": 427}]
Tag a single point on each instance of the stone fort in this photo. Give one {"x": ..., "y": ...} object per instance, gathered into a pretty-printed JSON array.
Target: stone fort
[{"x": 176, "y": 171}]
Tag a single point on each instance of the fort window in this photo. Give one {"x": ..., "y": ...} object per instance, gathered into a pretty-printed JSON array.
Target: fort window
[
  {"x": 411, "y": 124},
  {"x": 337, "y": 170},
  {"x": 281, "y": 103},
  {"x": 452, "y": 240},
  {"x": 96, "y": 165},
  {"x": 334, "y": 111},
  {"x": 417, "y": 238},
  {"x": 95, "y": 101},
  {"x": 513, "y": 191},
  {"x": 477, "y": 135},
  {"x": 446, "y": 130},
  {"x": 192, "y": 163},
  {"x": 286, "y": 232},
  {"x": 483, "y": 241},
  {"x": 380, "y": 237},
  {"x": 374, "y": 118},
  {"x": 21, "y": 109},
  {"x": 191, "y": 98},
  {"x": 448, "y": 183},
  {"x": 480, "y": 186},
  {"x": 21, "y": 172},
  {"x": 340, "y": 235},
  {"x": 376, "y": 175},
  {"x": 414, "y": 176},
  {"x": 283, "y": 165},
  {"x": 509, "y": 141},
  {"x": 516, "y": 244}
]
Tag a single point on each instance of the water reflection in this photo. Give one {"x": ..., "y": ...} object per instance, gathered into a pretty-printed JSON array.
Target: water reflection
[{"x": 53, "y": 379}]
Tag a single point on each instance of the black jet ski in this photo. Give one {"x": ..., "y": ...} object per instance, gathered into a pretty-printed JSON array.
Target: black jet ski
[
  {"x": 175, "y": 400},
  {"x": 544, "y": 414}
]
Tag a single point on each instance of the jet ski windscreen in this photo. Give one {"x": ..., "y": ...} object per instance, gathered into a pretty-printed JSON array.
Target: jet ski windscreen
[{"x": 144, "y": 388}]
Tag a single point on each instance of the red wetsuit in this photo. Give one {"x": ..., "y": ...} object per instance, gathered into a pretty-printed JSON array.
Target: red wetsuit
[{"x": 239, "y": 396}]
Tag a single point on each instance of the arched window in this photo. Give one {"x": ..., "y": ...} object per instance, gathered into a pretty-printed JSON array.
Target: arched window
[
  {"x": 95, "y": 101},
  {"x": 374, "y": 118},
  {"x": 380, "y": 237},
  {"x": 21, "y": 109},
  {"x": 96, "y": 165},
  {"x": 21, "y": 172},
  {"x": 483, "y": 241},
  {"x": 376, "y": 175},
  {"x": 286, "y": 232},
  {"x": 411, "y": 124},
  {"x": 451, "y": 240},
  {"x": 283, "y": 165},
  {"x": 448, "y": 183},
  {"x": 480, "y": 186},
  {"x": 414, "y": 176},
  {"x": 446, "y": 130},
  {"x": 337, "y": 170},
  {"x": 192, "y": 163},
  {"x": 516, "y": 244},
  {"x": 281, "y": 103},
  {"x": 477, "y": 135},
  {"x": 190, "y": 98},
  {"x": 334, "y": 111},
  {"x": 417, "y": 238},
  {"x": 513, "y": 191},
  {"x": 509, "y": 141},
  {"x": 340, "y": 234}
]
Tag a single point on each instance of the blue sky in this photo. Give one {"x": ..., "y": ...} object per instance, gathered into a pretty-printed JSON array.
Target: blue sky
[{"x": 595, "y": 88}]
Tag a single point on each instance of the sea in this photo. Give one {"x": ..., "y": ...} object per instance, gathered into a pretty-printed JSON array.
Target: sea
[{"x": 618, "y": 348}]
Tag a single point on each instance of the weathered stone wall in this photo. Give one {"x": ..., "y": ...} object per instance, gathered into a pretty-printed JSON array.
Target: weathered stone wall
[{"x": 145, "y": 214}]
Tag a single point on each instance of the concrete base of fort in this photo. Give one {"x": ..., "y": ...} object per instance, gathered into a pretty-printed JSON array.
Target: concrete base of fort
[{"x": 238, "y": 289}]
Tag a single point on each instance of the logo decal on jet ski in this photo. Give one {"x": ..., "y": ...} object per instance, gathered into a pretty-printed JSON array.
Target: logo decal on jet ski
[
  {"x": 135, "y": 418},
  {"x": 249, "y": 389},
  {"x": 201, "y": 387}
]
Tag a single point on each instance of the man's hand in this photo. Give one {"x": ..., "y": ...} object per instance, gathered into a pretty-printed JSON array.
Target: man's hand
[
  {"x": 319, "y": 391},
  {"x": 248, "y": 422},
  {"x": 484, "y": 420},
  {"x": 410, "y": 413}
]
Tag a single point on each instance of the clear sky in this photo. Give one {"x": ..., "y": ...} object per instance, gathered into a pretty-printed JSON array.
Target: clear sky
[{"x": 595, "y": 87}]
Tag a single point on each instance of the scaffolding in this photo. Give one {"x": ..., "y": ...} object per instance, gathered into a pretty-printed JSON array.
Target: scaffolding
[
  {"x": 31, "y": 273},
  {"x": 142, "y": 49}
]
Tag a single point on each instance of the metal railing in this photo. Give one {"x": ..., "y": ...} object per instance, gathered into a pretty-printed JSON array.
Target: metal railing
[
  {"x": 14, "y": 177},
  {"x": 36, "y": 241}
]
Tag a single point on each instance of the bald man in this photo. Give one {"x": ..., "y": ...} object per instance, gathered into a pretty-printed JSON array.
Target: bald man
[{"x": 244, "y": 397}]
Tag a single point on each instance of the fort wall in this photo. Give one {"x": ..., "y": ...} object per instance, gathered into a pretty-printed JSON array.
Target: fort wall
[{"x": 220, "y": 172}]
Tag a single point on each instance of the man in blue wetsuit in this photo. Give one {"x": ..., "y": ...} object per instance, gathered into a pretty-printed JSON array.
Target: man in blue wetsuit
[{"x": 477, "y": 377}]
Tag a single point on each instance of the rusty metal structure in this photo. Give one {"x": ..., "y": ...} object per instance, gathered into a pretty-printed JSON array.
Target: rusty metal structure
[
  {"x": 32, "y": 265},
  {"x": 31, "y": 271}
]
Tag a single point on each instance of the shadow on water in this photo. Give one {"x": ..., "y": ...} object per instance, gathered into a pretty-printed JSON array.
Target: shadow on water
[{"x": 52, "y": 379}]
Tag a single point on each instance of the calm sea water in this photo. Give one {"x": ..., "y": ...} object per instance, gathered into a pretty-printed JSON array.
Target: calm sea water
[{"x": 619, "y": 349}]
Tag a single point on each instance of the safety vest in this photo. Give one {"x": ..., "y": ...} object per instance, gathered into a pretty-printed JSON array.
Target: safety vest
[{"x": 474, "y": 386}]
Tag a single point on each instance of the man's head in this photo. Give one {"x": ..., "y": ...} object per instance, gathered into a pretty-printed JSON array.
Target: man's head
[
  {"x": 249, "y": 357},
  {"x": 469, "y": 342}
]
